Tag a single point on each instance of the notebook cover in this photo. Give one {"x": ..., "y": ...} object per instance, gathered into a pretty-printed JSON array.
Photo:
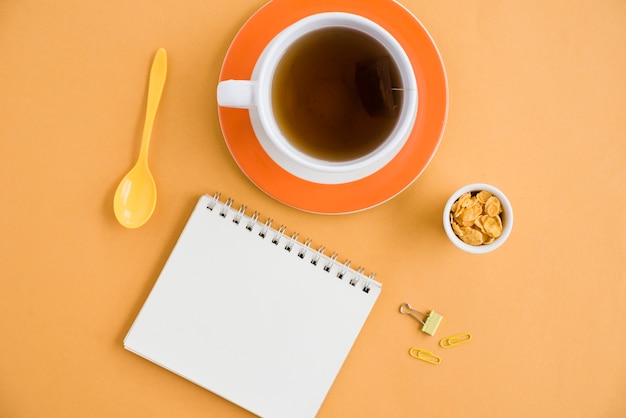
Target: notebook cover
[{"x": 248, "y": 320}]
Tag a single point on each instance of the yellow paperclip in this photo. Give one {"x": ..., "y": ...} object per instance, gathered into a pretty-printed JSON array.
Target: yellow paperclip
[
  {"x": 424, "y": 355},
  {"x": 455, "y": 340}
]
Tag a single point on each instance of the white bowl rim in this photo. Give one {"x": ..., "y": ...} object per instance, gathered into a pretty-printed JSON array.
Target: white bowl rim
[{"x": 507, "y": 221}]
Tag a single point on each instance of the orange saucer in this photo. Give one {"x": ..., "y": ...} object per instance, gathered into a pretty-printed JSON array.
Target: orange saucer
[{"x": 384, "y": 184}]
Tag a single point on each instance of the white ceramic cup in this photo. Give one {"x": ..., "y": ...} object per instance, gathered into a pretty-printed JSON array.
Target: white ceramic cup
[
  {"x": 506, "y": 215},
  {"x": 256, "y": 96}
]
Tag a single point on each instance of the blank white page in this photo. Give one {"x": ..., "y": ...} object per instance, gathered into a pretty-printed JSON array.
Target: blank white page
[{"x": 249, "y": 320}]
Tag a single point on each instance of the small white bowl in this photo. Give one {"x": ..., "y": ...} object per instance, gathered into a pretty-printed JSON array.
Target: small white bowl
[{"x": 506, "y": 215}]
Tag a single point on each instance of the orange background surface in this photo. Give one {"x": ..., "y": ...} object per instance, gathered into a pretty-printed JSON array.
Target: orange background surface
[{"x": 537, "y": 108}]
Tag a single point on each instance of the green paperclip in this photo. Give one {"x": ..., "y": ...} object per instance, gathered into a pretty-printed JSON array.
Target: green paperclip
[
  {"x": 455, "y": 340},
  {"x": 424, "y": 355},
  {"x": 433, "y": 319}
]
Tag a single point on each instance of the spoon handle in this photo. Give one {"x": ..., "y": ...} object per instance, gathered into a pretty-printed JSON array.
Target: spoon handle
[{"x": 158, "y": 74}]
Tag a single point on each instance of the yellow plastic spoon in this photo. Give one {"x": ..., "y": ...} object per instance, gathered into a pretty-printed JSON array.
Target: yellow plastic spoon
[{"x": 135, "y": 197}]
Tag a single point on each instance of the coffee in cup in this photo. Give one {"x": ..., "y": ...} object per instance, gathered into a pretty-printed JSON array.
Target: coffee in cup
[{"x": 323, "y": 100}]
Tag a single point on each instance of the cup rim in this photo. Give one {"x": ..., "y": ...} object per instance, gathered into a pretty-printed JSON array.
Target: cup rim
[
  {"x": 507, "y": 221},
  {"x": 297, "y": 162}
]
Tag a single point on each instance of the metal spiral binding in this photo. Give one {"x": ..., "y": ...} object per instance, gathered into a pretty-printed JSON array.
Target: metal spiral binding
[
  {"x": 305, "y": 248},
  {"x": 253, "y": 220},
  {"x": 358, "y": 276},
  {"x": 266, "y": 227},
  {"x": 292, "y": 241},
  {"x": 316, "y": 257},
  {"x": 226, "y": 208},
  {"x": 328, "y": 263},
  {"x": 368, "y": 282},
  {"x": 344, "y": 269},
  {"x": 239, "y": 214},
  {"x": 279, "y": 234},
  {"x": 214, "y": 201},
  {"x": 331, "y": 262}
]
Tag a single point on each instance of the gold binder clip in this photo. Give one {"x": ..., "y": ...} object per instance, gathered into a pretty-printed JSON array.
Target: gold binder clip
[
  {"x": 433, "y": 319},
  {"x": 424, "y": 355},
  {"x": 455, "y": 340}
]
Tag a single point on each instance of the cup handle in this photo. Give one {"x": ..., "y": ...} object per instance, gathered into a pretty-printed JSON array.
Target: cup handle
[{"x": 236, "y": 93}]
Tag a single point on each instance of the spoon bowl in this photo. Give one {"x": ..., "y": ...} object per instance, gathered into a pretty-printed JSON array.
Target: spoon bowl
[{"x": 136, "y": 195}]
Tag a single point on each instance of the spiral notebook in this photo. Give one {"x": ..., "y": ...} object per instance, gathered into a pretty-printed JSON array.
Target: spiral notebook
[{"x": 252, "y": 314}]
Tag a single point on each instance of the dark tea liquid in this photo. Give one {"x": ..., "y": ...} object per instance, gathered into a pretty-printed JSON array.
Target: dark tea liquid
[{"x": 316, "y": 101}]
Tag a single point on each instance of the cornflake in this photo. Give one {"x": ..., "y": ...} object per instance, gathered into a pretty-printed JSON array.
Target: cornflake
[{"x": 476, "y": 218}]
